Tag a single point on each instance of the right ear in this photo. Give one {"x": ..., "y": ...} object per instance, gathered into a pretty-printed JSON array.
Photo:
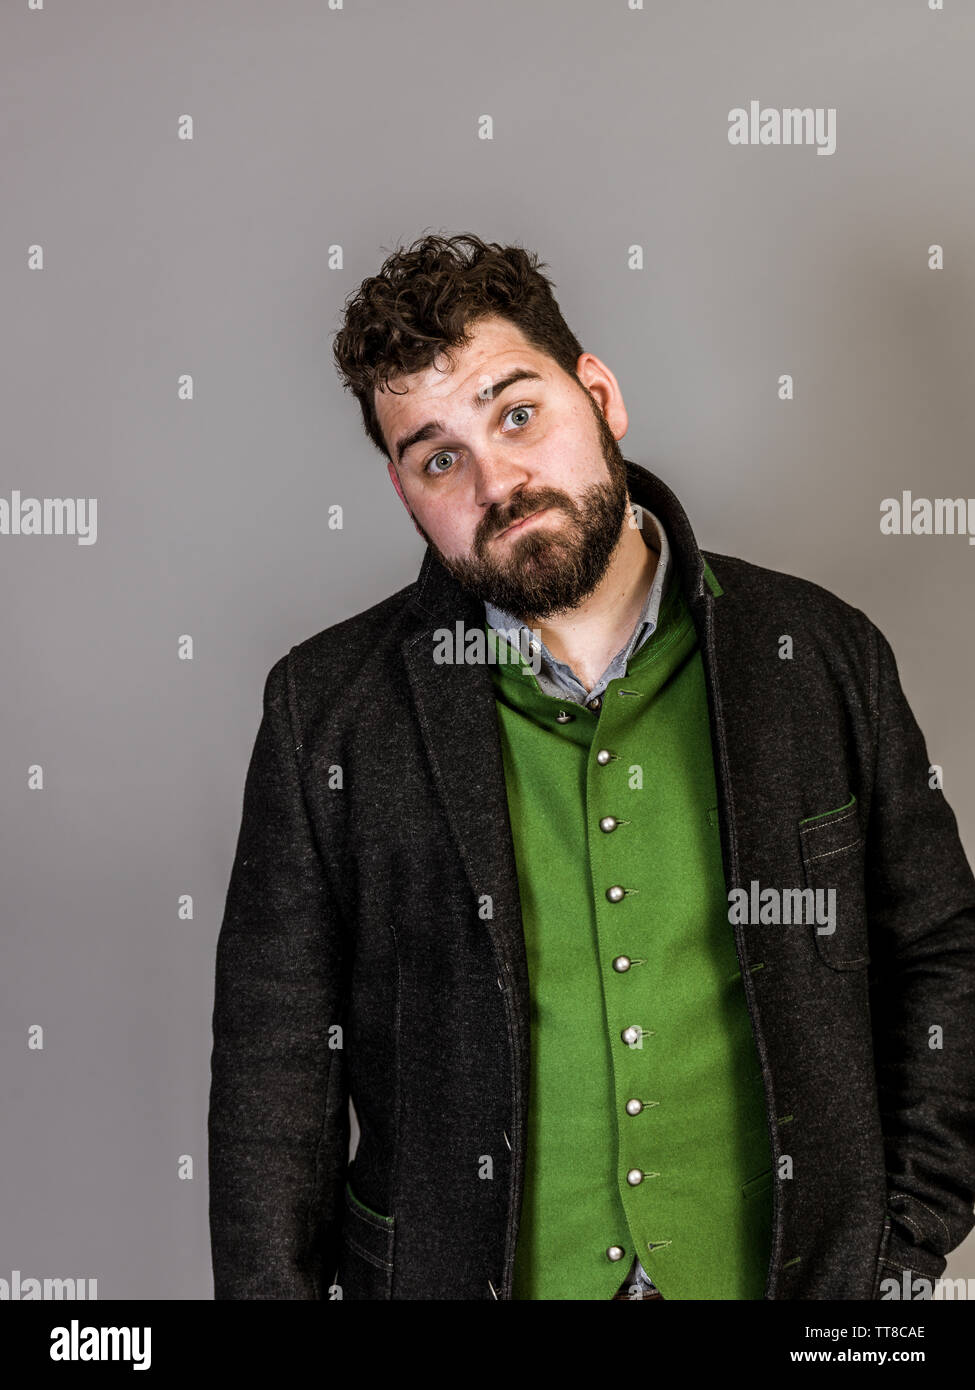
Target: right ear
[{"x": 394, "y": 479}]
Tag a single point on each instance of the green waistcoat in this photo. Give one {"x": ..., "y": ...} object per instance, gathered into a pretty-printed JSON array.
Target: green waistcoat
[{"x": 660, "y": 960}]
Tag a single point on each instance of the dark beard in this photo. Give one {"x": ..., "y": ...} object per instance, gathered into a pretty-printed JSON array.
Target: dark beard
[{"x": 545, "y": 572}]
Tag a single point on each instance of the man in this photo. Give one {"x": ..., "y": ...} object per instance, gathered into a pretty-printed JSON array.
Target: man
[{"x": 608, "y": 878}]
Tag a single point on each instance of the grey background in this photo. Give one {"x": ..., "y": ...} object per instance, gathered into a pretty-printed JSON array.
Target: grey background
[{"x": 358, "y": 128}]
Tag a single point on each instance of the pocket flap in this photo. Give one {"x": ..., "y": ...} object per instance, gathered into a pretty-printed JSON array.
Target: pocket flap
[
  {"x": 367, "y": 1232},
  {"x": 831, "y": 845}
]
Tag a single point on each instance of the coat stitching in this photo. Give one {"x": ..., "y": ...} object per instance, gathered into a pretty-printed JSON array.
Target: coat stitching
[
  {"x": 828, "y": 825},
  {"x": 907, "y": 1197},
  {"x": 828, "y": 853},
  {"x": 385, "y": 1265}
]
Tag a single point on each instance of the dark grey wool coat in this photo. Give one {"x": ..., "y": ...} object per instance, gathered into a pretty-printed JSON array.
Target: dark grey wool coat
[{"x": 372, "y": 946}]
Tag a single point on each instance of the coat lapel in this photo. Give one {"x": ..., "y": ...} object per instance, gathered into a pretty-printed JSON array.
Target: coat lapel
[
  {"x": 459, "y": 726},
  {"x": 458, "y": 721}
]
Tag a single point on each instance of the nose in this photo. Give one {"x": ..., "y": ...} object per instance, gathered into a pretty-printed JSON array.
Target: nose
[{"x": 497, "y": 479}]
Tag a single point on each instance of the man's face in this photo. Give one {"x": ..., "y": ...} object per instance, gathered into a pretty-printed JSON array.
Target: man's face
[{"x": 490, "y": 459}]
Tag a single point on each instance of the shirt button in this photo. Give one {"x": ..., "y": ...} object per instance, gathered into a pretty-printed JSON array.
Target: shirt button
[
  {"x": 634, "y": 1177},
  {"x": 564, "y": 717},
  {"x": 631, "y": 1035},
  {"x": 608, "y": 823},
  {"x": 615, "y": 1252},
  {"x": 633, "y": 1107},
  {"x": 621, "y": 964},
  {"x": 595, "y": 702},
  {"x": 603, "y": 757},
  {"x": 616, "y": 893}
]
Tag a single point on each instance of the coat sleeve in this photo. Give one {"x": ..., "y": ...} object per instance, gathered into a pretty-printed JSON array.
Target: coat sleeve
[
  {"x": 278, "y": 1120},
  {"x": 921, "y": 906}
]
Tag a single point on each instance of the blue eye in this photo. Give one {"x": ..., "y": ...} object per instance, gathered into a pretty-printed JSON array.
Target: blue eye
[
  {"x": 519, "y": 409},
  {"x": 436, "y": 472}
]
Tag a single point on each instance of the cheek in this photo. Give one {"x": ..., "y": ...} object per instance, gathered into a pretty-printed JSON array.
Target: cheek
[
  {"x": 458, "y": 538},
  {"x": 453, "y": 534}
]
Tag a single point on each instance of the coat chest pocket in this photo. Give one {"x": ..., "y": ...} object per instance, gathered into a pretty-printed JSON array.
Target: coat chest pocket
[
  {"x": 366, "y": 1258},
  {"x": 832, "y": 859}
]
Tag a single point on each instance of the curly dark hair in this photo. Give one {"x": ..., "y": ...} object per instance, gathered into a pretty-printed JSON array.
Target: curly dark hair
[{"x": 425, "y": 300}]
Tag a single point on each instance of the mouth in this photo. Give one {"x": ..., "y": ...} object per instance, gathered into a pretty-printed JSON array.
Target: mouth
[{"x": 525, "y": 521}]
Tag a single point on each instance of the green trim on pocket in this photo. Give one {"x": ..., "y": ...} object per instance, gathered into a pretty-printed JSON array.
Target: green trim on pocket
[
  {"x": 806, "y": 819},
  {"x": 378, "y": 1215}
]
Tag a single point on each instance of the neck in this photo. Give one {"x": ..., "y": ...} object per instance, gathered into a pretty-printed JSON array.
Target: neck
[{"x": 589, "y": 637}]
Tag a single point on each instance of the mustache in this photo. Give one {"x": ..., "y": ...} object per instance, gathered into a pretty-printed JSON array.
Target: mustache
[{"x": 493, "y": 526}]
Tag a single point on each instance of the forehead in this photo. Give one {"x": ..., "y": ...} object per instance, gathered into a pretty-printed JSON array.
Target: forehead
[{"x": 495, "y": 345}]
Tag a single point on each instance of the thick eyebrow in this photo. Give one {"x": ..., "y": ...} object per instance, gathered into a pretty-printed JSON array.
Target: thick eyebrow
[{"x": 478, "y": 402}]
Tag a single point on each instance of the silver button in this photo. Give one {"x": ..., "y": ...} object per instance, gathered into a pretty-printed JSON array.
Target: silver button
[
  {"x": 608, "y": 823},
  {"x": 634, "y": 1177},
  {"x": 633, "y": 1107},
  {"x": 563, "y": 717},
  {"x": 595, "y": 703},
  {"x": 631, "y": 1035},
  {"x": 621, "y": 964},
  {"x": 603, "y": 756},
  {"x": 616, "y": 893},
  {"x": 615, "y": 1252}
]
